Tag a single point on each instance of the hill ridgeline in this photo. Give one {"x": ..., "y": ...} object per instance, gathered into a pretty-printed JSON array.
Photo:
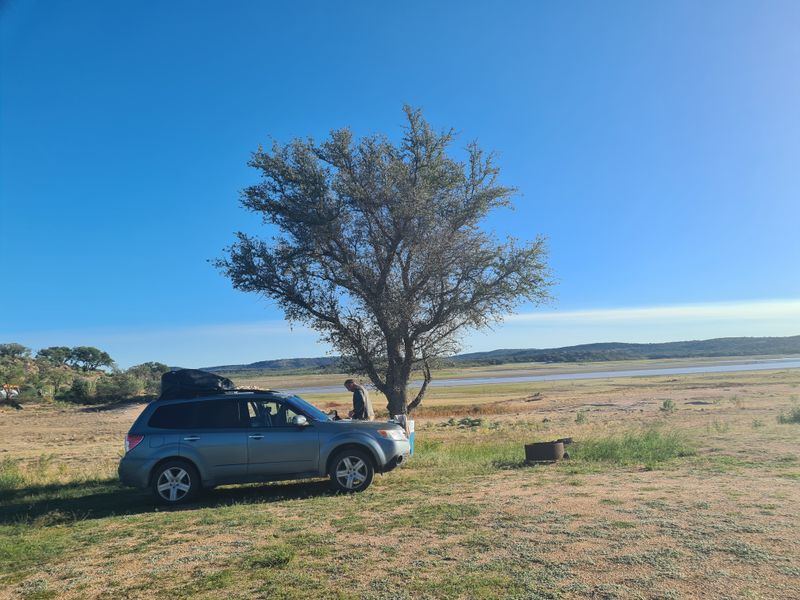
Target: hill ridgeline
[{"x": 733, "y": 346}]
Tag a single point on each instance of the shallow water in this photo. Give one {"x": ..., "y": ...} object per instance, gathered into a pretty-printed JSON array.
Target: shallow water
[{"x": 756, "y": 365}]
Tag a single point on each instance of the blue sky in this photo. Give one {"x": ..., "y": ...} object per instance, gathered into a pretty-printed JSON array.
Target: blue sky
[{"x": 656, "y": 145}]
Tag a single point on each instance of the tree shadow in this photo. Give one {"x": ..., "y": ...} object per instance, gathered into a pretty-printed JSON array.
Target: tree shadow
[
  {"x": 55, "y": 504},
  {"x": 118, "y": 404}
]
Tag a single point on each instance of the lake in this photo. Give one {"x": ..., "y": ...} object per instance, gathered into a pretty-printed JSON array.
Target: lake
[{"x": 756, "y": 365}]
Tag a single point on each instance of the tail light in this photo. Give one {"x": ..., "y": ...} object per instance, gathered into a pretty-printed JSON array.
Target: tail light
[{"x": 131, "y": 441}]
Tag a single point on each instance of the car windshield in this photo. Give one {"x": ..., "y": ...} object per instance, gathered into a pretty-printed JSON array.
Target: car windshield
[{"x": 309, "y": 409}]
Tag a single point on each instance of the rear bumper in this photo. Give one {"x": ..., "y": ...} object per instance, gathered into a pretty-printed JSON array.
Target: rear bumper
[{"x": 135, "y": 472}]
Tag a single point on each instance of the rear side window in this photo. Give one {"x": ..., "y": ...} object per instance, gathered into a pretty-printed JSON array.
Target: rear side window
[
  {"x": 211, "y": 414},
  {"x": 173, "y": 416}
]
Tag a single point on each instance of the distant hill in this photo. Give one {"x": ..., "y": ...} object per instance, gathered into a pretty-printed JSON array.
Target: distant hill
[
  {"x": 324, "y": 364},
  {"x": 739, "y": 346}
]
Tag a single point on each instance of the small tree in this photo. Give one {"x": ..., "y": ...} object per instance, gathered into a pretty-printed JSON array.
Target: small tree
[
  {"x": 381, "y": 250},
  {"x": 88, "y": 358},
  {"x": 14, "y": 350},
  {"x": 150, "y": 374}
]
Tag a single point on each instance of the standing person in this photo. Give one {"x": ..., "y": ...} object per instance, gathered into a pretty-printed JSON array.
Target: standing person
[{"x": 362, "y": 407}]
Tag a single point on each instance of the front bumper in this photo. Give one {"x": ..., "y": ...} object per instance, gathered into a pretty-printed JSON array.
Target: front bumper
[{"x": 397, "y": 452}]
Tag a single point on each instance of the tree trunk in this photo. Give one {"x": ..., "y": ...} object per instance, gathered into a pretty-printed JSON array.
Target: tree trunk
[{"x": 396, "y": 396}]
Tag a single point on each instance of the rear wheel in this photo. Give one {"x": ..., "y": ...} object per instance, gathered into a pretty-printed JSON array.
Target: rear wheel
[
  {"x": 351, "y": 471},
  {"x": 175, "y": 482}
]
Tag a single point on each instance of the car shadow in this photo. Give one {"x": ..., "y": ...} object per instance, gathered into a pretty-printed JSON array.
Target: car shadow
[{"x": 56, "y": 504}]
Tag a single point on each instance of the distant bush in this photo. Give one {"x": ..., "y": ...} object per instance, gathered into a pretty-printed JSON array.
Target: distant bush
[
  {"x": 150, "y": 375},
  {"x": 668, "y": 406},
  {"x": 581, "y": 418},
  {"x": 793, "y": 416},
  {"x": 119, "y": 386},
  {"x": 649, "y": 447},
  {"x": 81, "y": 391},
  {"x": 718, "y": 426}
]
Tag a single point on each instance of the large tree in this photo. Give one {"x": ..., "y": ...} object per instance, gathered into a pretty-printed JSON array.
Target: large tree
[
  {"x": 56, "y": 355},
  {"x": 89, "y": 358},
  {"x": 380, "y": 248}
]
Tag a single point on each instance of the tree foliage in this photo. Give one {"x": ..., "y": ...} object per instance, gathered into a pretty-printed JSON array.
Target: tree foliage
[
  {"x": 14, "y": 350},
  {"x": 57, "y": 355},
  {"x": 381, "y": 249},
  {"x": 89, "y": 358},
  {"x": 76, "y": 375}
]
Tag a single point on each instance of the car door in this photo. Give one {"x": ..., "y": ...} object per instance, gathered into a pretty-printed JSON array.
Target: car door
[
  {"x": 217, "y": 439},
  {"x": 275, "y": 446}
]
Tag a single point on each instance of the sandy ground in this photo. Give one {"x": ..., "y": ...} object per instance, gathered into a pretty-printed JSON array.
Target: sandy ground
[{"x": 724, "y": 523}]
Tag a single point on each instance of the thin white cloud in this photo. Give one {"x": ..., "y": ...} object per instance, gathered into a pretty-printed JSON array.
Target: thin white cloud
[{"x": 753, "y": 310}]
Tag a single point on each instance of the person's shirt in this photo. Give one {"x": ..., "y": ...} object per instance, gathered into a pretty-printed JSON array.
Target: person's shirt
[{"x": 362, "y": 407}]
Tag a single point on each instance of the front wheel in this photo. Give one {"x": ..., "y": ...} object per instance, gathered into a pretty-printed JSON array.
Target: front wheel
[
  {"x": 175, "y": 482},
  {"x": 351, "y": 471}
]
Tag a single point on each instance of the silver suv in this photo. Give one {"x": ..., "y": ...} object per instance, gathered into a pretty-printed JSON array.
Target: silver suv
[{"x": 179, "y": 447}]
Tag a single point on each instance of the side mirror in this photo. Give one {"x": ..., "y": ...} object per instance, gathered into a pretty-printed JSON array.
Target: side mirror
[{"x": 299, "y": 420}]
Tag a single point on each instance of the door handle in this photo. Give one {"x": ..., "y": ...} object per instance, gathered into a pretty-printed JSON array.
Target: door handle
[
  {"x": 256, "y": 436},
  {"x": 191, "y": 438}
]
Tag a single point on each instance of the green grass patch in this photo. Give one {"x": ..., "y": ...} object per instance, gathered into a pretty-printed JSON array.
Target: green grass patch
[
  {"x": 272, "y": 557},
  {"x": 23, "y": 548},
  {"x": 440, "y": 517},
  {"x": 467, "y": 455},
  {"x": 649, "y": 447}
]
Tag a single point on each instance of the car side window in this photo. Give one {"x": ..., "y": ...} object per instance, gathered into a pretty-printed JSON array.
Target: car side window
[
  {"x": 270, "y": 413},
  {"x": 174, "y": 416},
  {"x": 219, "y": 414}
]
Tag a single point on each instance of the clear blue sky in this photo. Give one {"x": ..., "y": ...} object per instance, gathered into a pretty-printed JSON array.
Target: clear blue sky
[{"x": 656, "y": 144}]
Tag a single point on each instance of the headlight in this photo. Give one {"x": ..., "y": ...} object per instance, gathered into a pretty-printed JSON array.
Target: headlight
[{"x": 392, "y": 434}]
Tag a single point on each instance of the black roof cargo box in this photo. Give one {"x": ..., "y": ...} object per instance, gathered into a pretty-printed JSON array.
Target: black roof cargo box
[{"x": 191, "y": 383}]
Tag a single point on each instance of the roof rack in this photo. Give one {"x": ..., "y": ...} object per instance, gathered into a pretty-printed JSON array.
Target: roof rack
[
  {"x": 234, "y": 392},
  {"x": 252, "y": 391}
]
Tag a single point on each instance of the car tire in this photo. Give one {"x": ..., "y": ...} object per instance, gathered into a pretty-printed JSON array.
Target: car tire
[
  {"x": 351, "y": 471},
  {"x": 175, "y": 482}
]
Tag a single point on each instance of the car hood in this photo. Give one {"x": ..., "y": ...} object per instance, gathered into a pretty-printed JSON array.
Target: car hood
[{"x": 359, "y": 425}]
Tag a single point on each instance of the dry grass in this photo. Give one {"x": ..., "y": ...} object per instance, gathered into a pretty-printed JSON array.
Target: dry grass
[{"x": 465, "y": 519}]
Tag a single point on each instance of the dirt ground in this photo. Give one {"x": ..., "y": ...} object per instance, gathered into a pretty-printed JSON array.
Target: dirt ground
[{"x": 465, "y": 519}]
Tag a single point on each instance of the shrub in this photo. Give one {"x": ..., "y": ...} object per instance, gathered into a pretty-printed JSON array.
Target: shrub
[
  {"x": 81, "y": 391},
  {"x": 150, "y": 374},
  {"x": 10, "y": 475},
  {"x": 581, "y": 418},
  {"x": 793, "y": 416},
  {"x": 718, "y": 426},
  {"x": 119, "y": 386},
  {"x": 668, "y": 406}
]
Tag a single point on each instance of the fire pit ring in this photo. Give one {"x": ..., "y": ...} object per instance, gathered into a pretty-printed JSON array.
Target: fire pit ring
[{"x": 544, "y": 451}]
